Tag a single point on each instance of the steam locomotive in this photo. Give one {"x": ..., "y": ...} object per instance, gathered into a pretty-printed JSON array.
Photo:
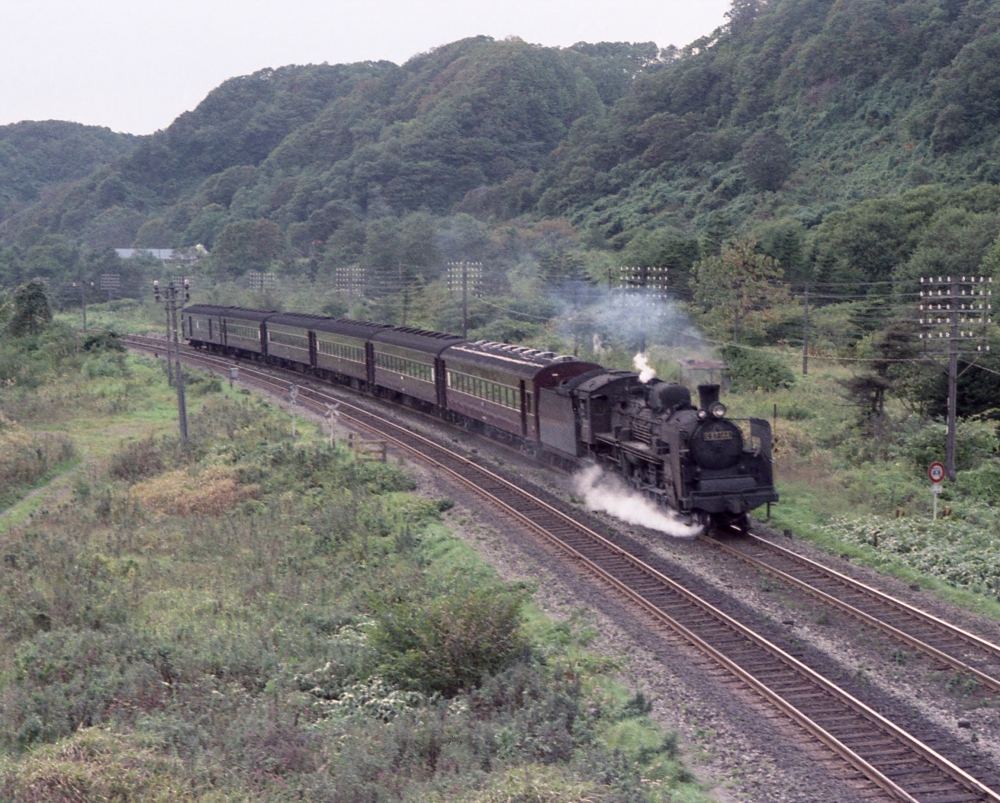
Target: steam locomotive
[{"x": 692, "y": 459}]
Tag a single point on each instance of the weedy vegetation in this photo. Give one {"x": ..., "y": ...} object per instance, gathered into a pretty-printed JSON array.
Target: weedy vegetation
[{"x": 253, "y": 617}]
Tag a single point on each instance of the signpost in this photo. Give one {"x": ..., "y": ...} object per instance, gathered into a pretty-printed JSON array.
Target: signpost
[{"x": 936, "y": 473}]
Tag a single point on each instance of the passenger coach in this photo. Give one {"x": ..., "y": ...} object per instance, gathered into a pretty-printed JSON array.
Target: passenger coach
[{"x": 497, "y": 383}]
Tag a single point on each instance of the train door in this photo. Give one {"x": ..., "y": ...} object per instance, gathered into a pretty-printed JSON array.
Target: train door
[
  {"x": 223, "y": 332},
  {"x": 209, "y": 330},
  {"x": 370, "y": 362},
  {"x": 313, "y": 359},
  {"x": 524, "y": 411},
  {"x": 440, "y": 382}
]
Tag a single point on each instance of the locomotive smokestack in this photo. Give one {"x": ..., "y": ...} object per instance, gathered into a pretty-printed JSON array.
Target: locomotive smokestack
[{"x": 707, "y": 396}]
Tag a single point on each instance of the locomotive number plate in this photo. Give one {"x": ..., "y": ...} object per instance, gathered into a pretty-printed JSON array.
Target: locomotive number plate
[{"x": 718, "y": 435}]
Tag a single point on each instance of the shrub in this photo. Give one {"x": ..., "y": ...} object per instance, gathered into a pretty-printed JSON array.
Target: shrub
[
  {"x": 136, "y": 461},
  {"x": 975, "y": 441},
  {"x": 105, "y": 364},
  {"x": 754, "y": 370},
  {"x": 982, "y": 483},
  {"x": 447, "y": 641},
  {"x": 797, "y": 412},
  {"x": 103, "y": 341},
  {"x": 69, "y": 678},
  {"x": 955, "y": 551},
  {"x": 95, "y": 764},
  {"x": 210, "y": 492},
  {"x": 202, "y": 385}
]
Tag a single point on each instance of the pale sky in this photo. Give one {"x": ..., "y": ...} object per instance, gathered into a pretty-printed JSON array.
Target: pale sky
[{"x": 135, "y": 65}]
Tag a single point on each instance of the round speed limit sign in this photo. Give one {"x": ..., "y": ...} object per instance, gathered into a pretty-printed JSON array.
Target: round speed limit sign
[{"x": 936, "y": 472}]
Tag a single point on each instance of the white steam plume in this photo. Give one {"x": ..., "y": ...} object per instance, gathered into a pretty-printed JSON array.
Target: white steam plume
[
  {"x": 606, "y": 492},
  {"x": 646, "y": 371}
]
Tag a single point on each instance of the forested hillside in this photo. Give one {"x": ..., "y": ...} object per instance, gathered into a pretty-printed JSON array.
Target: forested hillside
[
  {"x": 313, "y": 147},
  {"x": 847, "y": 139},
  {"x": 35, "y": 155}
]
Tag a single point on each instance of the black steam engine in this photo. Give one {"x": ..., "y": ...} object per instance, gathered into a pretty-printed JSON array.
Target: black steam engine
[{"x": 691, "y": 459}]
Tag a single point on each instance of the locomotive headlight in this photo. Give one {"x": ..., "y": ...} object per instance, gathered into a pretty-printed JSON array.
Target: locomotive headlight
[
  {"x": 702, "y": 415},
  {"x": 718, "y": 409}
]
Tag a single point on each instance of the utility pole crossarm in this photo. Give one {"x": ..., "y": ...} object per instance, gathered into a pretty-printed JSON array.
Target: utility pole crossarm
[{"x": 954, "y": 310}]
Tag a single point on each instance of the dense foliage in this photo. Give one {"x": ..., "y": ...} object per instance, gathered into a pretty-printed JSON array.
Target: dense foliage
[{"x": 36, "y": 155}]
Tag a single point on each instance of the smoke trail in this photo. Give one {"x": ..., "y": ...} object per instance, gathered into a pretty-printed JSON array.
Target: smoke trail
[
  {"x": 641, "y": 364},
  {"x": 608, "y": 493},
  {"x": 621, "y": 321}
]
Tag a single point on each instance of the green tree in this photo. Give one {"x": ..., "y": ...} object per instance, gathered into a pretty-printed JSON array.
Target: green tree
[
  {"x": 766, "y": 159},
  {"x": 248, "y": 245},
  {"x": 31, "y": 310},
  {"x": 739, "y": 288}
]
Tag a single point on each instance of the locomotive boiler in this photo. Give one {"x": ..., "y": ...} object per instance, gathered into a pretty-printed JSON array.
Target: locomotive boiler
[{"x": 693, "y": 459}]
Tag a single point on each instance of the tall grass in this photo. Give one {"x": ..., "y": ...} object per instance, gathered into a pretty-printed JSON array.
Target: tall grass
[
  {"x": 250, "y": 618},
  {"x": 26, "y": 457}
]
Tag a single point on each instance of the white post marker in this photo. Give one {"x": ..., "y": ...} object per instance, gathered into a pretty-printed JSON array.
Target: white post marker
[
  {"x": 935, "y": 473},
  {"x": 293, "y": 394},
  {"x": 234, "y": 374},
  {"x": 332, "y": 414}
]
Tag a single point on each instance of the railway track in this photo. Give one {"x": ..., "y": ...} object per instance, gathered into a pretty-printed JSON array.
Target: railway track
[
  {"x": 952, "y": 646},
  {"x": 897, "y": 762}
]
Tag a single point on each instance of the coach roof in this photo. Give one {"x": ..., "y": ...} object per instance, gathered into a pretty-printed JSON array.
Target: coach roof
[
  {"x": 517, "y": 360},
  {"x": 416, "y": 339},
  {"x": 361, "y": 330},
  {"x": 234, "y": 313}
]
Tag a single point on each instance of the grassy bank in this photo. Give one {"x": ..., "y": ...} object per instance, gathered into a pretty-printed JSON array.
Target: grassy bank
[{"x": 259, "y": 618}]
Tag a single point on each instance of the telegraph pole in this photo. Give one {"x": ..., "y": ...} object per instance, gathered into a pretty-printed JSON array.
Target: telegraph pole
[
  {"x": 83, "y": 300},
  {"x": 639, "y": 287},
  {"x": 949, "y": 460},
  {"x": 805, "y": 334},
  {"x": 460, "y": 273},
  {"x": 948, "y": 304},
  {"x": 170, "y": 348},
  {"x": 465, "y": 300},
  {"x": 173, "y": 298}
]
